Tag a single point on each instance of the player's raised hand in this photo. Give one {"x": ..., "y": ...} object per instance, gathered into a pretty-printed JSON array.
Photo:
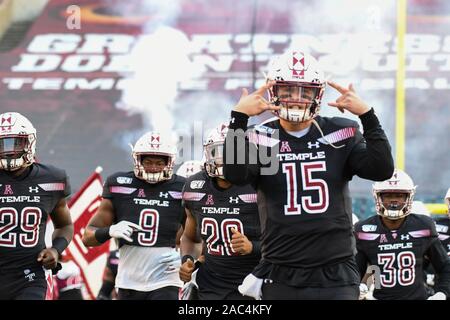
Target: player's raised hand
[
  {"x": 254, "y": 103},
  {"x": 348, "y": 100},
  {"x": 240, "y": 243},
  {"x": 48, "y": 257}
]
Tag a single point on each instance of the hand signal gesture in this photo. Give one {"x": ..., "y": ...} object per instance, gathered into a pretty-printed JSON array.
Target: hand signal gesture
[
  {"x": 348, "y": 100},
  {"x": 255, "y": 103}
]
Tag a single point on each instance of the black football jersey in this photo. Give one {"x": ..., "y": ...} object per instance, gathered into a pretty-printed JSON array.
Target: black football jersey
[
  {"x": 443, "y": 229},
  {"x": 156, "y": 208},
  {"x": 216, "y": 212},
  {"x": 303, "y": 198},
  {"x": 399, "y": 254},
  {"x": 306, "y": 205},
  {"x": 25, "y": 203}
]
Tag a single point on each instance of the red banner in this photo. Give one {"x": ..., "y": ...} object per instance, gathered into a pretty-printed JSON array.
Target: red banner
[{"x": 91, "y": 261}]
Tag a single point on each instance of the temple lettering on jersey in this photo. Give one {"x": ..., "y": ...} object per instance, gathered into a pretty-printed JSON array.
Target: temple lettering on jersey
[
  {"x": 301, "y": 156},
  {"x": 20, "y": 199},
  {"x": 212, "y": 210},
  {"x": 150, "y": 202},
  {"x": 395, "y": 246}
]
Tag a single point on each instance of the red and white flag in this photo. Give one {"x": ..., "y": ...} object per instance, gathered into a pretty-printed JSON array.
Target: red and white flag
[{"x": 91, "y": 261}]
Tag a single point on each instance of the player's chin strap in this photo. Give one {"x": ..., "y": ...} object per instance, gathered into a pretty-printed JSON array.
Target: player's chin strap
[{"x": 323, "y": 136}]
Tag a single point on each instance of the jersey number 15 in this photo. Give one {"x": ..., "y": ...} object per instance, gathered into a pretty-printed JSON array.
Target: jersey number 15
[{"x": 308, "y": 183}]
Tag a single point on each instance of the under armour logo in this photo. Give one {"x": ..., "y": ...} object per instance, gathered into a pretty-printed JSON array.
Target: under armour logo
[
  {"x": 232, "y": 120},
  {"x": 210, "y": 200},
  {"x": 141, "y": 193},
  {"x": 383, "y": 238},
  {"x": 8, "y": 189},
  {"x": 404, "y": 237},
  {"x": 285, "y": 147},
  {"x": 234, "y": 200},
  {"x": 31, "y": 189},
  {"x": 164, "y": 195},
  {"x": 316, "y": 145}
]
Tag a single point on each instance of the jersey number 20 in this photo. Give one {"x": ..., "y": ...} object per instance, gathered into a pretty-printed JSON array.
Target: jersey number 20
[{"x": 217, "y": 235}]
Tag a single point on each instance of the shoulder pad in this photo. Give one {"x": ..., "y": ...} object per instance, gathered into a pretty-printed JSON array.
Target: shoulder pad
[
  {"x": 423, "y": 220},
  {"x": 121, "y": 178},
  {"x": 196, "y": 181},
  {"x": 339, "y": 122},
  {"x": 179, "y": 178},
  {"x": 367, "y": 225},
  {"x": 55, "y": 172}
]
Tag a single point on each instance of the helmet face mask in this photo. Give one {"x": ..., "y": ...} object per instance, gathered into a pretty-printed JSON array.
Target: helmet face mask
[
  {"x": 151, "y": 148},
  {"x": 13, "y": 147},
  {"x": 393, "y": 202},
  {"x": 394, "y": 197},
  {"x": 17, "y": 142},
  {"x": 299, "y": 86},
  {"x": 214, "y": 159},
  {"x": 213, "y": 151}
]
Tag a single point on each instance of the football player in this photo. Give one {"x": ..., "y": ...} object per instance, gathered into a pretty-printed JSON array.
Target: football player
[
  {"x": 301, "y": 164},
  {"x": 187, "y": 169},
  {"x": 225, "y": 216},
  {"x": 396, "y": 242},
  {"x": 30, "y": 192},
  {"x": 142, "y": 209}
]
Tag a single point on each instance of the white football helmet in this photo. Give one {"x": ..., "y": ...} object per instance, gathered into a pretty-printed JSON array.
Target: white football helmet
[
  {"x": 303, "y": 82},
  {"x": 447, "y": 201},
  {"x": 400, "y": 182},
  {"x": 213, "y": 151},
  {"x": 154, "y": 144},
  {"x": 189, "y": 168},
  {"x": 17, "y": 141}
]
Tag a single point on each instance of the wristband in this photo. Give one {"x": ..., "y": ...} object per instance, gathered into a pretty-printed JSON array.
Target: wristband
[
  {"x": 187, "y": 257},
  {"x": 102, "y": 234},
  {"x": 60, "y": 244}
]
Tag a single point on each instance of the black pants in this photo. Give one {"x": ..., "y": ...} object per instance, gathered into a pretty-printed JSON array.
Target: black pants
[
  {"x": 222, "y": 295},
  {"x": 165, "y": 293},
  {"x": 278, "y": 291},
  {"x": 29, "y": 284},
  {"x": 72, "y": 294},
  {"x": 211, "y": 287}
]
